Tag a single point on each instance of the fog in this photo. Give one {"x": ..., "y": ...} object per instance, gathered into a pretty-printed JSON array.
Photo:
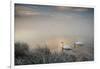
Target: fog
[{"x": 37, "y": 24}]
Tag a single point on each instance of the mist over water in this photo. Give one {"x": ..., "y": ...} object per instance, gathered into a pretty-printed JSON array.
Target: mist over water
[{"x": 41, "y": 25}]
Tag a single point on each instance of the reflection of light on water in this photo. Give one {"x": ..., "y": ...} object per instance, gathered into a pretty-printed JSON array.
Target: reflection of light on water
[{"x": 55, "y": 45}]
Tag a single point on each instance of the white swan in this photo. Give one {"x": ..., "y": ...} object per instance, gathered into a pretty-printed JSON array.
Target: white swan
[
  {"x": 78, "y": 44},
  {"x": 65, "y": 46}
]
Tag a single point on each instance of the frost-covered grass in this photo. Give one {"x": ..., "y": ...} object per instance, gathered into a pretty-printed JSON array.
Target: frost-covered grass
[{"x": 41, "y": 56}]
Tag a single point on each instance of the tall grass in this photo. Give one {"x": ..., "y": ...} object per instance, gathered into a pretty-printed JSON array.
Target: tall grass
[{"x": 41, "y": 55}]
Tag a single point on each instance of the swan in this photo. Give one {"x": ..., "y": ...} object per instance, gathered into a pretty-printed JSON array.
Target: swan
[
  {"x": 65, "y": 46},
  {"x": 78, "y": 44}
]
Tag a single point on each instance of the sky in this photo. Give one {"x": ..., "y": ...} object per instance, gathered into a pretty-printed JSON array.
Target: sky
[{"x": 37, "y": 23}]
